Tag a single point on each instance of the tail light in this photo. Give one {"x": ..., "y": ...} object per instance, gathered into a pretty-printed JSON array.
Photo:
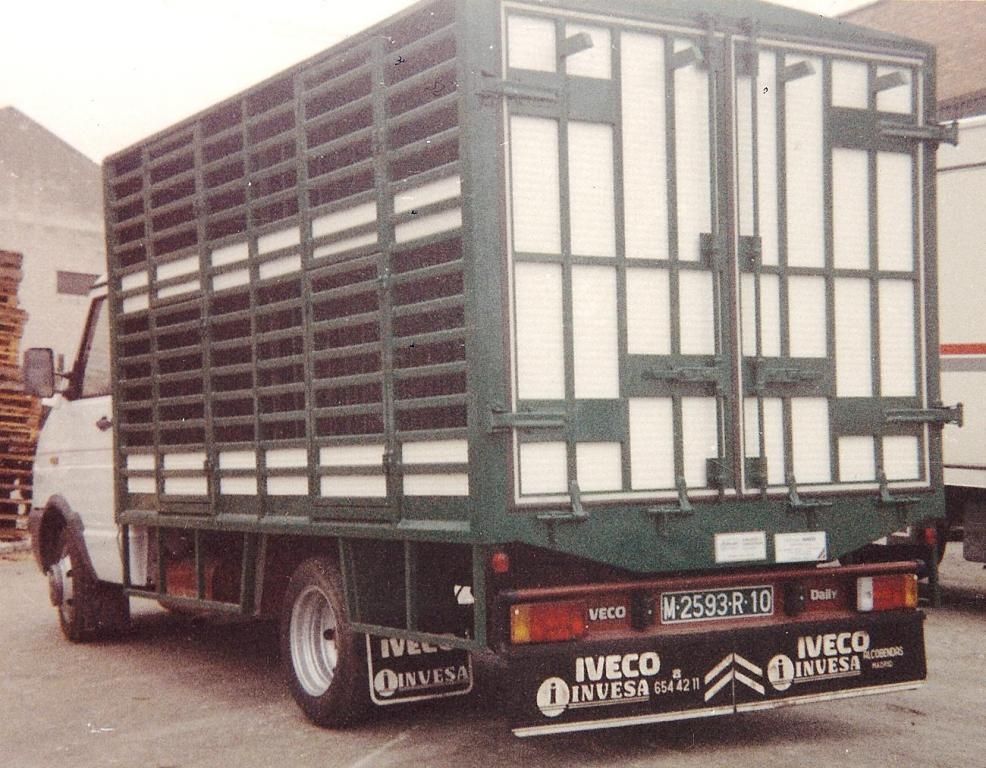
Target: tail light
[
  {"x": 885, "y": 593},
  {"x": 500, "y": 563},
  {"x": 547, "y": 622}
]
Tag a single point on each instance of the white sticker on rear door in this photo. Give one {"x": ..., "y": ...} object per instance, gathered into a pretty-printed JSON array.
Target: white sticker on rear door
[
  {"x": 741, "y": 547},
  {"x": 803, "y": 547}
]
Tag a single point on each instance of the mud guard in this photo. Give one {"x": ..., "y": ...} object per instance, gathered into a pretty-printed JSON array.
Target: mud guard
[
  {"x": 571, "y": 687},
  {"x": 403, "y": 671}
]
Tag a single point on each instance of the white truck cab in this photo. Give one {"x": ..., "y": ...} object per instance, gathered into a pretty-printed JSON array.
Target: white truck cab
[{"x": 75, "y": 537}]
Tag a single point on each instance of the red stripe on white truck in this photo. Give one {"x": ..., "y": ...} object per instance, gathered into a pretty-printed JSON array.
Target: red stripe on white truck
[{"x": 963, "y": 349}]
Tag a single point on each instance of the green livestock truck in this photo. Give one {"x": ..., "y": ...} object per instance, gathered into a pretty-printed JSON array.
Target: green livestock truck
[{"x": 595, "y": 337}]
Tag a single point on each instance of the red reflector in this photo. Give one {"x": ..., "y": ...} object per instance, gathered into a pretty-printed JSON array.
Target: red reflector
[
  {"x": 547, "y": 622},
  {"x": 500, "y": 562},
  {"x": 885, "y": 593},
  {"x": 929, "y": 536}
]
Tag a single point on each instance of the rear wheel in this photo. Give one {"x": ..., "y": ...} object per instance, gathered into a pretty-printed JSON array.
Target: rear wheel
[{"x": 323, "y": 658}]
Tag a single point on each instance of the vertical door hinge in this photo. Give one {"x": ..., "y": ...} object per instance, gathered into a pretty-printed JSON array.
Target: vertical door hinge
[
  {"x": 750, "y": 252},
  {"x": 755, "y": 468},
  {"x": 748, "y": 52},
  {"x": 713, "y": 251},
  {"x": 712, "y": 51},
  {"x": 717, "y": 473}
]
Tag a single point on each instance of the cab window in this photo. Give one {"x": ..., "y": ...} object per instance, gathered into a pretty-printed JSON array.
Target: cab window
[{"x": 94, "y": 360}]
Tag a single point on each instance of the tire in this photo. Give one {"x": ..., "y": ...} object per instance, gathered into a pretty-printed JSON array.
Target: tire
[
  {"x": 72, "y": 592},
  {"x": 324, "y": 660}
]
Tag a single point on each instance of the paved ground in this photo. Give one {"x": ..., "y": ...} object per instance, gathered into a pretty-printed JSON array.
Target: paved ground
[{"x": 176, "y": 693}]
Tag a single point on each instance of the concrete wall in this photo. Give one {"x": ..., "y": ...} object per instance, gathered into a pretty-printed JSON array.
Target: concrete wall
[{"x": 51, "y": 212}]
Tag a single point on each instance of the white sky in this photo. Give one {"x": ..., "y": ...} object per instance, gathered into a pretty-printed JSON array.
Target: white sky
[{"x": 102, "y": 74}]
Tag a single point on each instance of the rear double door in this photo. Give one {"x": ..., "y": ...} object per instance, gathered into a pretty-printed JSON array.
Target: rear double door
[{"x": 676, "y": 293}]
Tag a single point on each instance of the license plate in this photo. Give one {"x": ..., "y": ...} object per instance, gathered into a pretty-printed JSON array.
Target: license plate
[{"x": 712, "y": 604}]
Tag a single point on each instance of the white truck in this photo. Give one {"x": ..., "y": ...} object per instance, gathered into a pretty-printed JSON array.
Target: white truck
[{"x": 962, "y": 250}]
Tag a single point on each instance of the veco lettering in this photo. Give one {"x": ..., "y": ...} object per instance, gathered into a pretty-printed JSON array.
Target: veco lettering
[
  {"x": 840, "y": 644},
  {"x": 608, "y": 613},
  {"x": 617, "y": 666}
]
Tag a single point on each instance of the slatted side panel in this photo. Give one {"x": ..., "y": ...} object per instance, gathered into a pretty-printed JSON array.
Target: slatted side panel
[{"x": 287, "y": 272}]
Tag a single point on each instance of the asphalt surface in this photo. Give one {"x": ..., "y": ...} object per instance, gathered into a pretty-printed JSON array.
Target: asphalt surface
[{"x": 177, "y": 693}]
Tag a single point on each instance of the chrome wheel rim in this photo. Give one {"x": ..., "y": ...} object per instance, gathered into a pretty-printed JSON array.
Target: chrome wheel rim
[
  {"x": 60, "y": 585},
  {"x": 314, "y": 653}
]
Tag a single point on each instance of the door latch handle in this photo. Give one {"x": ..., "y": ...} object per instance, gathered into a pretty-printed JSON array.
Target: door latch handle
[{"x": 103, "y": 424}]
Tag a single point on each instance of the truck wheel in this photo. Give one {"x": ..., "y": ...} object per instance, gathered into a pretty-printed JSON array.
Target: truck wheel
[
  {"x": 70, "y": 591},
  {"x": 324, "y": 659}
]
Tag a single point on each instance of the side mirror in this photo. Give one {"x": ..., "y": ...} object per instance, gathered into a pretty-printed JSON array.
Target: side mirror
[{"x": 39, "y": 372}]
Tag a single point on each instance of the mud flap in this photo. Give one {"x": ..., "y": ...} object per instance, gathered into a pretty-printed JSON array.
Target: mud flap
[
  {"x": 402, "y": 671},
  {"x": 630, "y": 682}
]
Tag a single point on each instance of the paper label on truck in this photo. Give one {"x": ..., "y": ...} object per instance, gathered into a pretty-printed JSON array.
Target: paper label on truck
[
  {"x": 802, "y": 547},
  {"x": 743, "y": 547}
]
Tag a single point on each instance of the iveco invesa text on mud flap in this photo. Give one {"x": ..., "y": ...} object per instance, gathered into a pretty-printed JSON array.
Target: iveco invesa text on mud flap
[{"x": 596, "y": 336}]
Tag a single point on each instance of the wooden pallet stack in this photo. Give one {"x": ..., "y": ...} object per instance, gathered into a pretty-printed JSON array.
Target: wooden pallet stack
[{"x": 20, "y": 414}]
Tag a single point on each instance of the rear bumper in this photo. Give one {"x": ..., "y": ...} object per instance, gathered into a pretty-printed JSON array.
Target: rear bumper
[{"x": 588, "y": 685}]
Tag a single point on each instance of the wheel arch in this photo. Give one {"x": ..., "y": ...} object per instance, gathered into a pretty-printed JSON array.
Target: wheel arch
[
  {"x": 45, "y": 524},
  {"x": 283, "y": 556}
]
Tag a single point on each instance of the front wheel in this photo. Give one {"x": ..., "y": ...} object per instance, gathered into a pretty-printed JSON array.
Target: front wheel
[
  {"x": 323, "y": 658},
  {"x": 71, "y": 592}
]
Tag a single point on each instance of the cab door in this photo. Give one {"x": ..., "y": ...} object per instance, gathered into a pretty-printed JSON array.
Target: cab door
[{"x": 74, "y": 458}]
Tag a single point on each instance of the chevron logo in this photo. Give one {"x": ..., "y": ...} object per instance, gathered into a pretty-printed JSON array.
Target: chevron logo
[{"x": 733, "y": 667}]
